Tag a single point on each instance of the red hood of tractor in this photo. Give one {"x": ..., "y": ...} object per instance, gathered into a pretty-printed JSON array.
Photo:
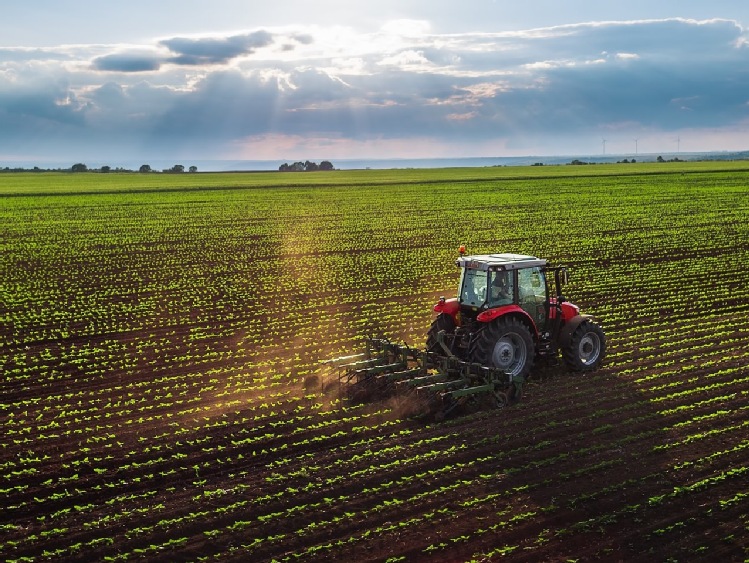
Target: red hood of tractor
[
  {"x": 447, "y": 306},
  {"x": 452, "y": 307},
  {"x": 569, "y": 310}
]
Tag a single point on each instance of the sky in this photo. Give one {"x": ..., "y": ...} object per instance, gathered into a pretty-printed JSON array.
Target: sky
[{"x": 288, "y": 80}]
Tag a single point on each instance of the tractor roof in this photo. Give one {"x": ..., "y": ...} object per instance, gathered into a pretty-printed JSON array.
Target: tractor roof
[{"x": 499, "y": 261}]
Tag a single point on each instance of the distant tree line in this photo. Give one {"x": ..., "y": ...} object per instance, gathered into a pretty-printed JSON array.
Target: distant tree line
[
  {"x": 305, "y": 166},
  {"x": 145, "y": 168},
  {"x": 578, "y": 162},
  {"x": 80, "y": 167}
]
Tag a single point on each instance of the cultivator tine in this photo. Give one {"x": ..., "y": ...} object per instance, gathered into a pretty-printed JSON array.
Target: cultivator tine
[
  {"x": 344, "y": 358},
  {"x": 424, "y": 381},
  {"x": 345, "y": 365},
  {"x": 375, "y": 371},
  {"x": 372, "y": 371},
  {"x": 361, "y": 364},
  {"x": 439, "y": 383},
  {"x": 405, "y": 376},
  {"x": 354, "y": 370}
]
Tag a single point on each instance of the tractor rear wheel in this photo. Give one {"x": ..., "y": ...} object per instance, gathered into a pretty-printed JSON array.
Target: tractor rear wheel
[
  {"x": 442, "y": 322},
  {"x": 586, "y": 347},
  {"x": 505, "y": 344}
]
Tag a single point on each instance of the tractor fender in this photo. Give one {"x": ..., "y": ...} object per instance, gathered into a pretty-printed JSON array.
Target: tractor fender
[
  {"x": 570, "y": 327},
  {"x": 447, "y": 306},
  {"x": 569, "y": 310},
  {"x": 490, "y": 314}
]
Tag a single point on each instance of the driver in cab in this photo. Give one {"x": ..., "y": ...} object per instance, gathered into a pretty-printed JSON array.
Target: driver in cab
[{"x": 501, "y": 289}]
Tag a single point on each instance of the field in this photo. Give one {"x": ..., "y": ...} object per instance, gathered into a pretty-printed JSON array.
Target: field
[{"x": 164, "y": 396}]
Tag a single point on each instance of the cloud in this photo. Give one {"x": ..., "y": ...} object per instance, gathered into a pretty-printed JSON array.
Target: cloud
[
  {"x": 128, "y": 62},
  {"x": 23, "y": 54},
  {"x": 186, "y": 51},
  {"x": 549, "y": 89},
  {"x": 303, "y": 38},
  {"x": 34, "y": 112},
  {"x": 213, "y": 50}
]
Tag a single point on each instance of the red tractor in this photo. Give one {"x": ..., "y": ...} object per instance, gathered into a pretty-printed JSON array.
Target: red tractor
[
  {"x": 510, "y": 310},
  {"x": 482, "y": 344}
]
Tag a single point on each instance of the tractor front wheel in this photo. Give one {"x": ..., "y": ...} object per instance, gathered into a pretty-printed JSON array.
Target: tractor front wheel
[
  {"x": 505, "y": 344},
  {"x": 586, "y": 347}
]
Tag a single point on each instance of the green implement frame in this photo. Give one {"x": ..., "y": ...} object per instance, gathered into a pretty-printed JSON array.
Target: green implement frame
[{"x": 440, "y": 384}]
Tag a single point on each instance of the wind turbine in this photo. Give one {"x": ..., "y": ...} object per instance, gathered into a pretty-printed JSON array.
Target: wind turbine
[
  {"x": 636, "y": 146},
  {"x": 604, "y": 146}
]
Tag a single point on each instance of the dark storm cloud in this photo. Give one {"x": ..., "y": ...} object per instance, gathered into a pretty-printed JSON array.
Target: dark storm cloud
[
  {"x": 39, "y": 113},
  {"x": 186, "y": 52},
  {"x": 191, "y": 51},
  {"x": 127, "y": 63}
]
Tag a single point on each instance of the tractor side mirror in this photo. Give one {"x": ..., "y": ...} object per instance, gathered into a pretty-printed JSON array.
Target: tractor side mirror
[{"x": 564, "y": 278}]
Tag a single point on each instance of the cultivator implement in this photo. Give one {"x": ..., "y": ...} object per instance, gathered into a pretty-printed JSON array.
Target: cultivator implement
[{"x": 435, "y": 384}]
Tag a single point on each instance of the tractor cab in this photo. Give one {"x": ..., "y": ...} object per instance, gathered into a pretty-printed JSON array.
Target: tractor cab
[{"x": 493, "y": 281}]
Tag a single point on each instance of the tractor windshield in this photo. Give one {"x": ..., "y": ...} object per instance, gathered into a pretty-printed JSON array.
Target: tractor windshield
[{"x": 473, "y": 287}]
